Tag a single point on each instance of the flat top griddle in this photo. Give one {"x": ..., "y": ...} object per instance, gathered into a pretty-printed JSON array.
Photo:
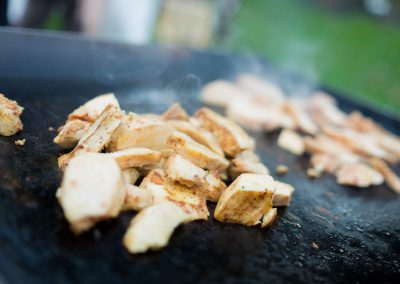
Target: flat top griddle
[{"x": 357, "y": 230}]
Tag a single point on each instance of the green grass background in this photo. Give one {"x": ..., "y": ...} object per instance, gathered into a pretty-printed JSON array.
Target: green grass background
[{"x": 352, "y": 52}]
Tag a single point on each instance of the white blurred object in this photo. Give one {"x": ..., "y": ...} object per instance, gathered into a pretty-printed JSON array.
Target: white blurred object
[
  {"x": 378, "y": 7},
  {"x": 15, "y": 11},
  {"x": 123, "y": 20}
]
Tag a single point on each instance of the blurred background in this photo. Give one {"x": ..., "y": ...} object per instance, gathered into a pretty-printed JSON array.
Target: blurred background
[{"x": 350, "y": 45}]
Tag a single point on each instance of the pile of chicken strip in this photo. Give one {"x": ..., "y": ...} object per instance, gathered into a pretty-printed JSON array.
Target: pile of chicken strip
[
  {"x": 164, "y": 166},
  {"x": 354, "y": 148}
]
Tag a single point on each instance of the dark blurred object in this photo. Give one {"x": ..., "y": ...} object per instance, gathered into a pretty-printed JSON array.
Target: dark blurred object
[
  {"x": 3, "y": 12},
  {"x": 39, "y": 11}
]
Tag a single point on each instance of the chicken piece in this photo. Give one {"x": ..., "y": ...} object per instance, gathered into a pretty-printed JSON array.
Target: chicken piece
[
  {"x": 162, "y": 189},
  {"x": 246, "y": 200},
  {"x": 198, "y": 134},
  {"x": 260, "y": 87},
  {"x": 131, "y": 175},
  {"x": 283, "y": 194},
  {"x": 392, "y": 180},
  {"x": 93, "y": 108},
  {"x": 324, "y": 111},
  {"x": 92, "y": 189},
  {"x": 324, "y": 144},
  {"x": 281, "y": 170},
  {"x": 324, "y": 162},
  {"x": 359, "y": 175},
  {"x": 10, "y": 111},
  {"x": 178, "y": 169},
  {"x": 198, "y": 154},
  {"x": 291, "y": 141},
  {"x": 231, "y": 137},
  {"x": 247, "y": 162},
  {"x": 136, "y": 157},
  {"x": 220, "y": 92},
  {"x": 213, "y": 187},
  {"x": 140, "y": 131},
  {"x": 300, "y": 116},
  {"x": 70, "y": 134},
  {"x": 269, "y": 218},
  {"x": 361, "y": 123},
  {"x": 256, "y": 115},
  {"x": 137, "y": 198},
  {"x": 389, "y": 143},
  {"x": 96, "y": 136},
  {"x": 176, "y": 112},
  {"x": 152, "y": 228}
]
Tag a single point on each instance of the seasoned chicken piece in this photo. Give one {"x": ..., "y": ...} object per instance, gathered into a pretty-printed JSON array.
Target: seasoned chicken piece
[
  {"x": 392, "y": 180},
  {"x": 198, "y": 154},
  {"x": 260, "y": 87},
  {"x": 246, "y": 200},
  {"x": 10, "y": 111},
  {"x": 257, "y": 115},
  {"x": 213, "y": 187},
  {"x": 324, "y": 162},
  {"x": 136, "y": 157},
  {"x": 324, "y": 111},
  {"x": 70, "y": 134},
  {"x": 137, "y": 198},
  {"x": 389, "y": 143},
  {"x": 140, "y": 131},
  {"x": 162, "y": 189},
  {"x": 97, "y": 136},
  {"x": 291, "y": 141},
  {"x": 198, "y": 134},
  {"x": 231, "y": 137},
  {"x": 247, "y": 162},
  {"x": 220, "y": 92},
  {"x": 131, "y": 175},
  {"x": 359, "y": 175},
  {"x": 152, "y": 228},
  {"x": 178, "y": 169},
  {"x": 176, "y": 112},
  {"x": 361, "y": 123},
  {"x": 324, "y": 144},
  {"x": 269, "y": 218},
  {"x": 283, "y": 194},
  {"x": 92, "y": 189},
  {"x": 300, "y": 116}
]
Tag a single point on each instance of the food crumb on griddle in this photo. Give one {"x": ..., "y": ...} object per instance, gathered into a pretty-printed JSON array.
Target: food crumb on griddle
[
  {"x": 51, "y": 128},
  {"x": 20, "y": 142},
  {"x": 314, "y": 246},
  {"x": 313, "y": 173},
  {"x": 281, "y": 170}
]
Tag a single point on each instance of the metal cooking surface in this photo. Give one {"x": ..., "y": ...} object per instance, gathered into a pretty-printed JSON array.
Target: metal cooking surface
[{"x": 358, "y": 230}]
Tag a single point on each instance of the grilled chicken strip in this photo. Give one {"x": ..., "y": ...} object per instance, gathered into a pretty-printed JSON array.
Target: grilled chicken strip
[
  {"x": 198, "y": 154},
  {"x": 359, "y": 175},
  {"x": 246, "y": 200},
  {"x": 324, "y": 111},
  {"x": 176, "y": 112},
  {"x": 220, "y": 92},
  {"x": 70, "y": 134},
  {"x": 232, "y": 138},
  {"x": 97, "y": 136},
  {"x": 10, "y": 111},
  {"x": 137, "y": 198},
  {"x": 136, "y": 157},
  {"x": 291, "y": 141},
  {"x": 131, "y": 175},
  {"x": 257, "y": 86},
  {"x": 92, "y": 189},
  {"x": 247, "y": 162},
  {"x": 178, "y": 169},
  {"x": 152, "y": 228},
  {"x": 392, "y": 180},
  {"x": 283, "y": 194},
  {"x": 269, "y": 218},
  {"x": 297, "y": 110}
]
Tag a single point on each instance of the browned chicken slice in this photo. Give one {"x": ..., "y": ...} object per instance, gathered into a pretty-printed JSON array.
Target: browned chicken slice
[
  {"x": 178, "y": 169},
  {"x": 70, "y": 134},
  {"x": 392, "y": 180},
  {"x": 269, "y": 218},
  {"x": 137, "y": 198},
  {"x": 325, "y": 162},
  {"x": 260, "y": 87},
  {"x": 136, "y": 157},
  {"x": 92, "y": 189},
  {"x": 176, "y": 112},
  {"x": 198, "y": 154},
  {"x": 220, "y": 92},
  {"x": 247, "y": 162},
  {"x": 246, "y": 200},
  {"x": 283, "y": 194},
  {"x": 152, "y": 227},
  {"x": 324, "y": 144},
  {"x": 358, "y": 175},
  {"x": 96, "y": 136},
  {"x": 10, "y": 111},
  {"x": 131, "y": 175},
  {"x": 162, "y": 189},
  {"x": 291, "y": 141},
  {"x": 361, "y": 123},
  {"x": 140, "y": 131},
  {"x": 213, "y": 187},
  {"x": 232, "y": 138},
  {"x": 257, "y": 115},
  {"x": 324, "y": 111},
  {"x": 300, "y": 116},
  {"x": 198, "y": 134}
]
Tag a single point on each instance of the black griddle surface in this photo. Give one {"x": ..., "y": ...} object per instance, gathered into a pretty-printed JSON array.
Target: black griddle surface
[{"x": 357, "y": 230}]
